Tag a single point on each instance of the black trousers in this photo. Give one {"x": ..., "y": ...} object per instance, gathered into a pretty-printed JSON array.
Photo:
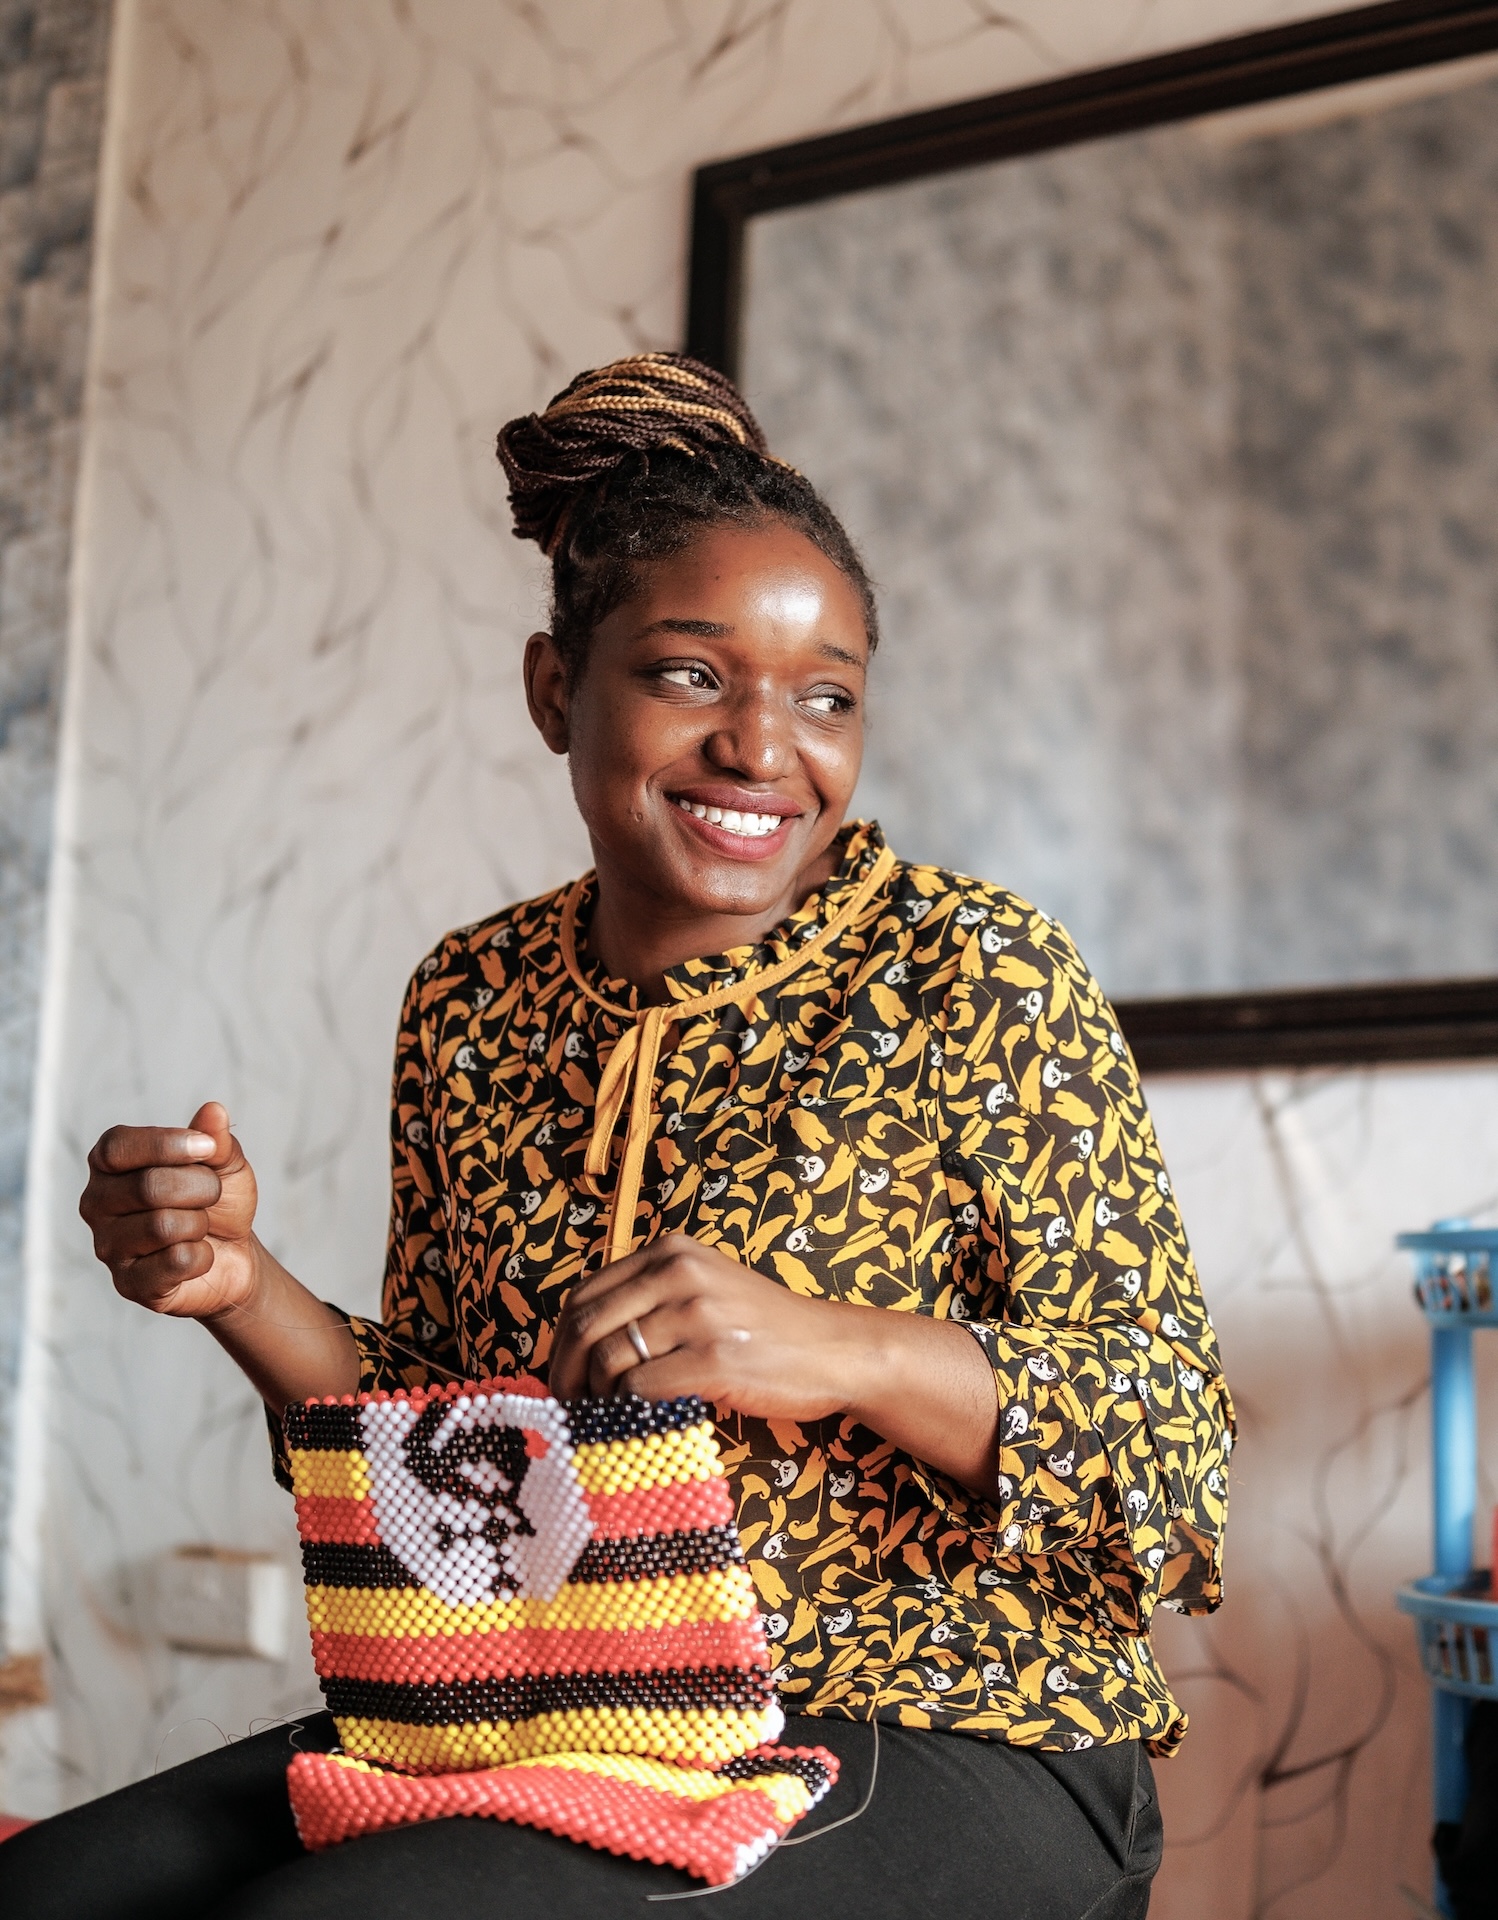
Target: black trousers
[
  {"x": 1468, "y": 1850},
  {"x": 956, "y": 1827}
]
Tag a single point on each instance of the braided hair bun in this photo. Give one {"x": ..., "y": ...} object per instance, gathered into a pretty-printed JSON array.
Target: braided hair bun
[
  {"x": 651, "y": 401},
  {"x": 631, "y": 463}
]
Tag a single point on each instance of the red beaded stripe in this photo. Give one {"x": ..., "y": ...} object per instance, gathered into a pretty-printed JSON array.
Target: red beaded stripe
[
  {"x": 345, "y": 1523},
  {"x": 439, "y": 1657},
  {"x": 324, "y": 1518},
  {"x": 705, "y": 1838},
  {"x": 693, "y": 1503}
]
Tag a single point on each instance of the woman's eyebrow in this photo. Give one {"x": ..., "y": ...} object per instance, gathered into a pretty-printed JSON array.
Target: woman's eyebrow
[
  {"x": 719, "y": 630},
  {"x": 698, "y": 629}
]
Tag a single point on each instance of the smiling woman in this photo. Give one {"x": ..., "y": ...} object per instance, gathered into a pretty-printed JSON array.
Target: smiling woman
[{"x": 758, "y": 1115}]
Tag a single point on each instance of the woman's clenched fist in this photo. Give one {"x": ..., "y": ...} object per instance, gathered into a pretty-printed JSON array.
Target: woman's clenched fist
[{"x": 172, "y": 1211}]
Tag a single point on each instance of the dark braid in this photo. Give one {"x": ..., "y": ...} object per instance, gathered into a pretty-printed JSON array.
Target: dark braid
[{"x": 631, "y": 463}]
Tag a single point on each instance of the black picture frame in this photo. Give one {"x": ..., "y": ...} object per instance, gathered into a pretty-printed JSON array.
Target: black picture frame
[{"x": 1308, "y": 1027}]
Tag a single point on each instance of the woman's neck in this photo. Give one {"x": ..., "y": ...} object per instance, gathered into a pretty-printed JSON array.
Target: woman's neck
[{"x": 636, "y": 936}]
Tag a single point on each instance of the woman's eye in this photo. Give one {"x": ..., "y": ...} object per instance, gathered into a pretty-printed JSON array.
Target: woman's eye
[
  {"x": 686, "y": 676},
  {"x": 829, "y": 702}
]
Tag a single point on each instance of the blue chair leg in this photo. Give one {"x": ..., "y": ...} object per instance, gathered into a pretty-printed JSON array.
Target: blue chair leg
[{"x": 1453, "y": 1394}]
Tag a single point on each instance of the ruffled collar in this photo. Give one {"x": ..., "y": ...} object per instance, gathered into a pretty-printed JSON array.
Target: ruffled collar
[{"x": 862, "y": 843}]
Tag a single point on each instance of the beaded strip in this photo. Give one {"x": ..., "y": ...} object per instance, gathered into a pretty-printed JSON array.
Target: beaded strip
[
  {"x": 716, "y": 1825},
  {"x": 544, "y": 1609}
]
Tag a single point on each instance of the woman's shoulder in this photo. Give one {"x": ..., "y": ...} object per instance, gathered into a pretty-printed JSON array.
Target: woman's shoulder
[
  {"x": 492, "y": 953},
  {"x": 967, "y": 912},
  {"x": 991, "y": 946}
]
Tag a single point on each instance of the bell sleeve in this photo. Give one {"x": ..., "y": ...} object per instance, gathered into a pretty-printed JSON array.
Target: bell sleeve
[{"x": 1115, "y": 1423}]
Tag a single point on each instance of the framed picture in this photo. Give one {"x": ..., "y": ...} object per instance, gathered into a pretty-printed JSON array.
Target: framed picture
[{"x": 1163, "y": 401}]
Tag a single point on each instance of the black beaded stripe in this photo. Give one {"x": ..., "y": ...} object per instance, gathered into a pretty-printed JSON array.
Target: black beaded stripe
[
  {"x": 643, "y": 1556},
  {"x": 319, "y": 1429},
  {"x": 754, "y": 1766},
  {"x": 331, "y": 1563},
  {"x": 629, "y": 1417},
  {"x": 523, "y": 1696}
]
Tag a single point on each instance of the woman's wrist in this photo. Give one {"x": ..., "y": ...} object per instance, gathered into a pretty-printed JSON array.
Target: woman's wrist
[
  {"x": 866, "y": 1361},
  {"x": 292, "y": 1345},
  {"x": 925, "y": 1385},
  {"x": 267, "y": 1279}
]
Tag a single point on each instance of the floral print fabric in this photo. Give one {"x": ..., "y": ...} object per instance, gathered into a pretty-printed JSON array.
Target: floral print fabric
[{"x": 936, "y": 1114}]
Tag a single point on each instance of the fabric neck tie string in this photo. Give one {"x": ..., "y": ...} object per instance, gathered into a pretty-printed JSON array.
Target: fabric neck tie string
[{"x": 629, "y": 1073}]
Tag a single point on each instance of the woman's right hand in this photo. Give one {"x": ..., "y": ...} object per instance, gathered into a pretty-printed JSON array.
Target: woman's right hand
[{"x": 172, "y": 1211}]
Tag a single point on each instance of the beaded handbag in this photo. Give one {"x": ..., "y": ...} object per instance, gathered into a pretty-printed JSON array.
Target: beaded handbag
[{"x": 538, "y": 1611}]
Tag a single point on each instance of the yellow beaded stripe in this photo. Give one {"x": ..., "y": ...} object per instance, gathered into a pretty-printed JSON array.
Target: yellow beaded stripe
[
  {"x": 329, "y": 1476},
  {"x": 789, "y": 1794},
  {"x": 657, "y": 1460},
  {"x": 677, "y": 1599},
  {"x": 704, "y": 1735}
]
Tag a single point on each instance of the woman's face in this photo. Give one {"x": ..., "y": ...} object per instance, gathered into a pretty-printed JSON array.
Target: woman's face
[{"x": 716, "y": 733}]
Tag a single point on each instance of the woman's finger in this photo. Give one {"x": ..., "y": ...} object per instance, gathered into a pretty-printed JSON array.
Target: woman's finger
[
  {"x": 116, "y": 1195},
  {"x": 130, "y": 1149},
  {"x": 138, "y": 1234},
  {"x": 605, "y": 1280},
  {"x": 684, "y": 1371},
  {"x": 152, "y": 1278},
  {"x": 585, "y": 1322},
  {"x": 614, "y": 1355}
]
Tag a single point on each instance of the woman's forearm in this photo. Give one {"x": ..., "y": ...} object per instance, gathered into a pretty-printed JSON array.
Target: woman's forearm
[
  {"x": 925, "y": 1385},
  {"x": 678, "y": 1316},
  {"x": 291, "y": 1344}
]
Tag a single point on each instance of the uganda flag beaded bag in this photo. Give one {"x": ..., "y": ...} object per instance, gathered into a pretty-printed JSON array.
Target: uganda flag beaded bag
[{"x": 538, "y": 1611}]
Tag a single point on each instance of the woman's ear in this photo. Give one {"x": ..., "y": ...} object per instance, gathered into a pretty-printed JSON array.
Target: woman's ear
[{"x": 546, "y": 690}]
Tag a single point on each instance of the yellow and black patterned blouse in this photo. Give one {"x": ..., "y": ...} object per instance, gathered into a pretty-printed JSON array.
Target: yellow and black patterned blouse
[{"x": 936, "y": 1113}]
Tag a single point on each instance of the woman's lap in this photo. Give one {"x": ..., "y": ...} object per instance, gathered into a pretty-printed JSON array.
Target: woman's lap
[{"x": 956, "y": 1827}]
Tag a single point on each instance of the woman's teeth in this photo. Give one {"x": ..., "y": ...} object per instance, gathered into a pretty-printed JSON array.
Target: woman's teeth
[{"x": 753, "y": 826}]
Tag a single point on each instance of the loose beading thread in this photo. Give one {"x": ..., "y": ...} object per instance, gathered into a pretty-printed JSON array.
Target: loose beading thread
[
  {"x": 554, "y": 1596},
  {"x": 799, "y": 1840}
]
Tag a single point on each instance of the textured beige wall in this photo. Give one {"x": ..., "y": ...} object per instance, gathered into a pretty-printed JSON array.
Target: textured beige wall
[{"x": 52, "y": 70}]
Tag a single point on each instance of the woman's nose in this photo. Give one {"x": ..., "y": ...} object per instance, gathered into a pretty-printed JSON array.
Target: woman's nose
[{"x": 754, "y": 740}]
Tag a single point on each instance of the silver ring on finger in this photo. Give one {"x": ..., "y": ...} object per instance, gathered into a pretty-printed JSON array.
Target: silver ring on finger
[{"x": 637, "y": 1341}]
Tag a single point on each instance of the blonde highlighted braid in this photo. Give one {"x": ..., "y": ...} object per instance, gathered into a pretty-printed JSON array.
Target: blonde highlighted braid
[{"x": 650, "y": 401}]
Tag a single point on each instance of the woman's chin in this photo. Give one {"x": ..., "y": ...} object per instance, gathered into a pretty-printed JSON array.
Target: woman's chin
[{"x": 704, "y": 884}]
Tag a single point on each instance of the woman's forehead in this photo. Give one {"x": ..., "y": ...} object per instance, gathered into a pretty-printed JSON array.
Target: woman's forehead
[{"x": 735, "y": 582}]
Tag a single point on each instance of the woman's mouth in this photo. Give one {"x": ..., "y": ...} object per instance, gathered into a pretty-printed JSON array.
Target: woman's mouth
[
  {"x": 753, "y": 826},
  {"x": 735, "y": 830}
]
